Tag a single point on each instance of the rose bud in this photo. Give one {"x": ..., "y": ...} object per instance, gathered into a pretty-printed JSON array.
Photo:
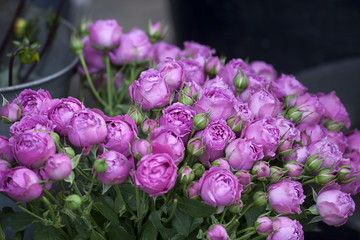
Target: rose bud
[
  {"x": 140, "y": 148},
  {"x": 10, "y": 112},
  {"x": 162, "y": 50},
  {"x": 236, "y": 207},
  {"x": 33, "y": 148},
  {"x": 105, "y": 34},
  {"x": 62, "y": 113},
  {"x": 290, "y": 86},
  {"x": 136, "y": 115},
  {"x": 69, "y": 151},
  {"x": 201, "y": 121},
  {"x": 73, "y": 202},
  {"x": 242, "y": 154},
  {"x": 264, "y": 225},
  {"x": 275, "y": 174},
  {"x": 222, "y": 163},
  {"x": 261, "y": 170},
  {"x": 235, "y": 123},
  {"x": 327, "y": 151},
  {"x": 217, "y": 232},
  {"x": 244, "y": 177},
  {"x": 294, "y": 169},
  {"x": 300, "y": 155},
  {"x": 43, "y": 179},
  {"x": 185, "y": 99},
  {"x": 155, "y": 31},
  {"x": 198, "y": 169},
  {"x": 344, "y": 175},
  {"x": 219, "y": 187},
  {"x": 334, "y": 206},
  {"x": 240, "y": 81},
  {"x": 87, "y": 128},
  {"x": 4, "y": 167},
  {"x": 196, "y": 146},
  {"x": 213, "y": 66},
  {"x": 286, "y": 196},
  {"x": 76, "y": 45},
  {"x": 286, "y": 229},
  {"x": 186, "y": 174},
  {"x": 173, "y": 73},
  {"x": 260, "y": 198},
  {"x": 193, "y": 190},
  {"x": 313, "y": 109},
  {"x": 324, "y": 177},
  {"x": 6, "y": 151},
  {"x": 58, "y": 167},
  {"x": 264, "y": 104},
  {"x": 21, "y": 184},
  {"x": 155, "y": 174},
  {"x": 148, "y": 126},
  {"x": 294, "y": 114},
  {"x": 150, "y": 90},
  {"x": 118, "y": 168},
  {"x": 121, "y": 131}
]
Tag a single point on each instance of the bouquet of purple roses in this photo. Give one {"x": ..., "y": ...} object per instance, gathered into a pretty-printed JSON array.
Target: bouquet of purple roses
[{"x": 207, "y": 150}]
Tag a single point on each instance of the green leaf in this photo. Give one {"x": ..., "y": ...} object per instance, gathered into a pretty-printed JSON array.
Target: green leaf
[
  {"x": 119, "y": 205},
  {"x": 315, "y": 219},
  {"x": 75, "y": 161},
  {"x": 42, "y": 232},
  {"x": 105, "y": 188},
  {"x": 253, "y": 214},
  {"x": 128, "y": 193},
  {"x": 148, "y": 231},
  {"x": 195, "y": 208},
  {"x": 4, "y": 100},
  {"x": 102, "y": 206},
  {"x": 313, "y": 210},
  {"x": 166, "y": 233},
  {"x": 2, "y": 234},
  {"x": 314, "y": 195},
  {"x": 184, "y": 224},
  {"x": 17, "y": 221},
  {"x": 96, "y": 236},
  {"x": 83, "y": 229},
  {"x": 70, "y": 179},
  {"x": 117, "y": 232}
]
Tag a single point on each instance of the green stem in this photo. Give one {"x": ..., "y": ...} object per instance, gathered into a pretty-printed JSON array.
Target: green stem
[
  {"x": 33, "y": 214},
  {"x": 109, "y": 83},
  {"x": 138, "y": 207},
  {"x": 308, "y": 181},
  {"x": 247, "y": 209},
  {"x": 48, "y": 204},
  {"x": 223, "y": 215},
  {"x": 93, "y": 90},
  {"x": 96, "y": 225},
  {"x": 187, "y": 159},
  {"x": 92, "y": 184},
  {"x": 47, "y": 193},
  {"x": 245, "y": 230},
  {"x": 258, "y": 237},
  {"x": 77, "y": 189},
  {"x": 172, "y": 214},
  {"x": 246, "y": 235}
]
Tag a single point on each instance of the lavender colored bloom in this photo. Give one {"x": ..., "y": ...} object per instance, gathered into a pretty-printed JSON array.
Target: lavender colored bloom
[
  {"x": 264, "y": 104},
  {"x": 6, "y": 150},
  {"x": 118, "y": 168},
  {"x": 105, "y": 33},
  {"x": 10, "y": 111},
  {"x": 94, "y": 58},
  {"x": 328, "y": 151},
  {"x": 194, "y": 72},
  {"x": 163, "y": 50},
  {"x": 31, "y": 122},
  {"x": 34, "y": 102},
  {"x": 217, "y": 232},
  {"x": 264, "y": 69},
  {"x": 286, "y": 229},
  {"x": 313, "y": 110},
  {"x": 265, "y": 225},
  {"x": 290, "y": 86},
  {"x": 194, "y": 50},
  {"x": 173, "y": 73},
  {"x": 58, "y": 167}
]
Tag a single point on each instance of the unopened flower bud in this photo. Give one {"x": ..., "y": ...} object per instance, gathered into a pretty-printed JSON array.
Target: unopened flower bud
[
  {"x": 236, "y": 207},
  {"x": 213, "y": 66},
  {"x": 275, "y": 174},
  {"x": 10, "y": 112},
  {"x": 221, "y": 163},
  {"x": 260, "y": 198},
  {"x": 201, "y": 120},
  {"x": 148, "y": 126},
  {"x": 19, "y": 27},
  {"x": 29, "y": 55},
  {"x": 83, "y": 27},
  {"x": 136, "y": 115},
  {"x": 140, "y": 148},
  {"x": 186, "y": 175},
  {"x": 240, "y": 82},
  {"x": 196, "y": 146},
  {"x": 100, "y": 165},
  {"x": 344, "y": 175},
  {"x": 198, "y": 169},
  {"x": 235, "y": 124},
  {"x": 69, "y": 151},
  {"x": 193, "y": 190},
  {"x": 155, "y": 31},
  {"x": 294, "y": 114},
  {"x": 261, "y": 170},
  {"x": 313, "y": 163},
  {"x": 185, "y": 99},
  {"x": 264, "y": 225},
  {"x": 73, "y": 202},
  {"x": 76, "y": 45},
  {"x": 325, "y": 176},
  {"x": 294, "y": 169},
  {"x": 333, "y": 125},
  {"x": 244, "y": 177}
]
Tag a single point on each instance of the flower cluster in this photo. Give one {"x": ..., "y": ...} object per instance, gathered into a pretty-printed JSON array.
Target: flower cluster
[{"x": 206, "y": 148}]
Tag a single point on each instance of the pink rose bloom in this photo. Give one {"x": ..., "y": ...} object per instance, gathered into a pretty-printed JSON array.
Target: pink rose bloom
[
  {"x": 215, "y": 137},
  {"x": 166, "y": 139},
  {"x": 156, "y": 174},
  {"x": 300, "y": 155},
  {"x": 6, "y": 150},
  {"x": 339, "y": 139},
  {"x": 334, "y": 109},
  {"x": 173, "y": 72},
  {"x": 62, "y": 113},
  {"x": 217, "y": 232},
  {"x": 328, "y": 151},
  {"x": 286, "y": 196},
  {"x": 118, "y": 168},
  {"x": 244, "y": 177},
  {"x": 195, "y": 50},
  {"x": 312, "y": 133},
  {"x": 334, "y": 205},
  {"x": 219, "y": 187},
  {"x": 87, "y": 128},
  {"x": 242, "y": 154},
  {"x": 21, "y": 184},
  {"x": 134, "y": 46},
  {"x": 34, "y": 102},
  {"x": 264, "y": 69},
  {"x": 255, "y": 83},
  {"x": 105, "y": 33},
  {"x": 261, "y": 170},
  {"x": 150, "y": 90},
  {"x": 288, "y": 85},
  {"x": 288, "y": 132},
  {"x": 58, "y": 167},
  {"x": 33, "y": 148},
  {"x": 263, "y": 132},
  {"x": 94, "y": 58},
  {"x": 10, "y": 111},
  {"x": 121, "y": 131},
  {"x": 264, "y": 104},
  {"x": 178, "y": 116},
  {"x": 352, "y": 161},
  {"x": 162, "y": 50},
  {"x": 313, "y": 109},
  {"x": 31, "y": 122},
  {"x": 286, "y": 229},
  {"x": 140, "y": 148},
  {"x": 294, "y": 169},
  {"x": 194, "y": 72},
  {"x": 353, "y": 140},
  {"x": 265, "y": 225}
]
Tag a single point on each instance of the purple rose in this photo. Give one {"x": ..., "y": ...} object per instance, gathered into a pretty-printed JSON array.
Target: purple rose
[
  {"x": 294, "y": 169},
  {"x": 33, "y": 148},
  {"x": 213, "y": 65},
  {"x": 327, "y": 151},
  {"x": 194, "y": 72},
  {"x": 86, "y": 128},
  {"x": 219, "y": 187},
  {"x": 300, "y": 155},
  {"x": 148, "y": 126},
  {"x": 155, "y": 174},
  {"x": 263, "y": 132},
  {"x": 118, "y": 168},
  {"x": 222, "y": 163},
  {"x": 34, "y": 102},
  {"x": 44, "y": 179},
  {"x": 339, "y": 139},
  {"x": 334, "y": 109},
  {"x": 217, "y": 232},
  {"x": 312, "y": 133},
  {"x": 261, "y": 170},
  {"x": 31, "y": 122},
  {"x": 166, "y": 139},
  {"x": 313, "y": 110},
  {"x": 105, "y": 33},
  {"x": 264, "y": 104},
  {"x": 286, "y": 196},
  {"x": 215, "y": 137},
  {"x": 150, "y": 90},
  {"x": 193, "y": 190},
  {"x": 194, "y": 50},
  {"x": 286, "y": 229},
  {"x": 140, "y": 148},
  {"x": 162, "y": 50},
  {"x": 62, "y": 113},
  {"x": 6, "y": 150},
  {"x": 134, "y": 46},
  {"x": 21, "y": 184},
  {"x": 173, "y": 73},
  {"x": 264, "y": 69},
  {"x": 353, "y": 140},
  {"x": 178, "y": 116},
  {"x": 10, "y": 111},
  {"x": 288, "y": 132},
  {"x": 334, "y": 205},
  {"x": 4, "y": 168},
  {"x": 94, "y": 58},
  {"x": 121, "y": 131},
  {"x": 352, "y": 161},
  {"x": 288, "y": 85},
  {"x": 265, "y": 225},
  {"x": 242, "y": 154},
  {"x": 244, "y": 177},
  {"x": 58, "y": 167}
]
